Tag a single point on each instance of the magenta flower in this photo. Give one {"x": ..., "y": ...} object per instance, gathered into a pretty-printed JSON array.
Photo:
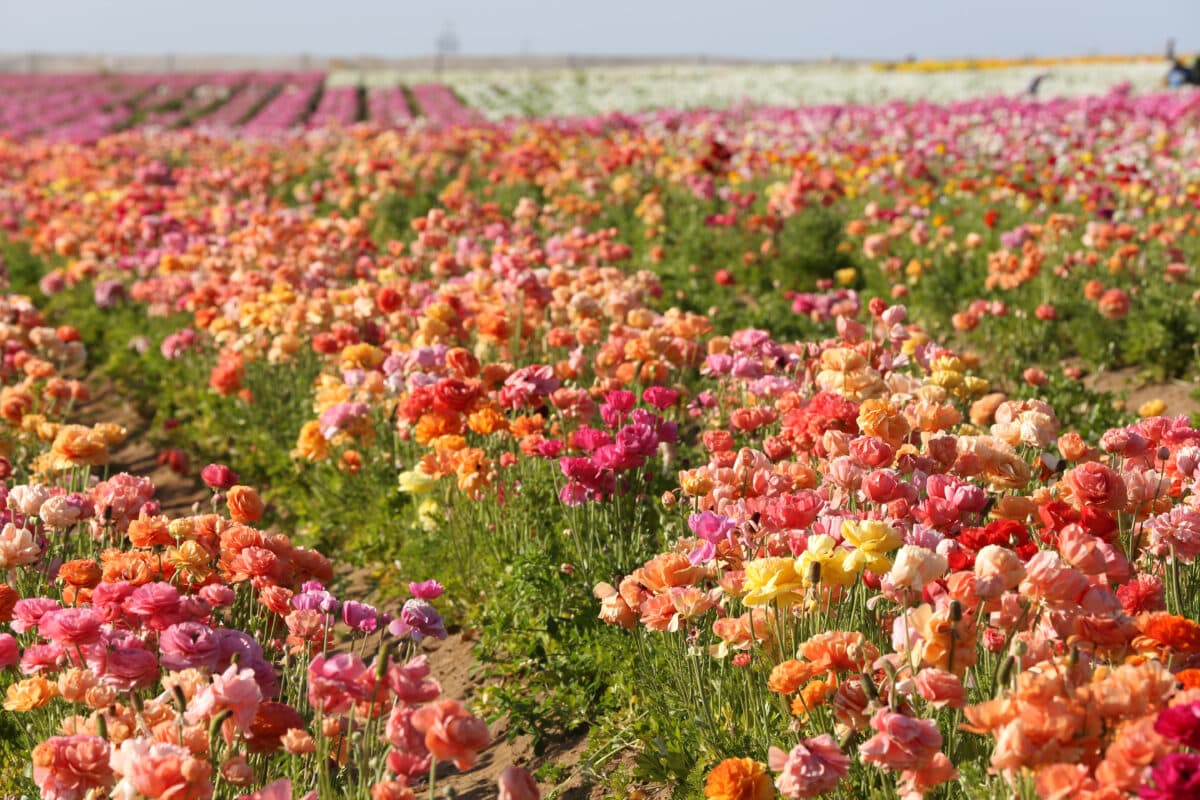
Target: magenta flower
[
  {"x": 218, "y": 477},
  {"x": 1180, "y": 724},
  {"x": 426, "y": 590},
  {"x": 1175, "y": 777}
]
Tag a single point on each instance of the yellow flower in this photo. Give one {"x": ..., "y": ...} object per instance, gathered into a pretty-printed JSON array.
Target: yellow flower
[
  {"x": 414, "y": 481},
  {"x": 1152, "y": 408},
  {"x": 429, "y": 513},
  {"x": 29, "y": 694},
  {"x": 772, "y": 579},
  {"x": 872, "y": 540},
  {"x": 846, "y": 276},
  {"x": 190, "y": 558},
  {"x": 694, "y": 483},
  {"x": 831, "y": 560}
]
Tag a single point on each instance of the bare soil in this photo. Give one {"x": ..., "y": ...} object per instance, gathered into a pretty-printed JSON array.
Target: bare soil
[{"x": 1177, "y": 394}]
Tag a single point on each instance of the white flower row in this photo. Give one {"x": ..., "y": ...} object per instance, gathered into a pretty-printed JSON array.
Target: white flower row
[{"x": 501, "y": 93}]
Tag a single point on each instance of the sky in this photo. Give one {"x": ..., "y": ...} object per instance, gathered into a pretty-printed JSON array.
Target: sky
[{"x": 784, "y": 29}]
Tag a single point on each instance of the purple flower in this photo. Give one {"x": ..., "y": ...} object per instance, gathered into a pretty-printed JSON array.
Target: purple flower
[
  {"x": 337, "y": 418},
  {"x": 108, "y": 293},
  {"x": 316, "y": 600},
  {"x": 360, "y": 616},
  {"x": 711, "y": 527},
  {"x": 418, "y": 619}
]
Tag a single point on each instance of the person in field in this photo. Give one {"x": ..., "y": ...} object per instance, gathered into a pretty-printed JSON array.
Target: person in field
[{"x": 1180, "y": 74}]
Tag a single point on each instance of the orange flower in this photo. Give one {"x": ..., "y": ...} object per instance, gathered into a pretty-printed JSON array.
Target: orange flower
[
  {"x": 136, "y": 566},
  {"x": 486, "y": 421},
  {"x": 838, "y": 651},
  {"x": 8, "y": 599},
  {"x": 75, "y": 445},
  {"x": 244, "y": 504},
  {"x": 1173, "y": 632},
  {"x": 788, "y": 677},
  {"x": 668, "y": 570},
  {"x": 882, "y": 419},
  {"x": 431, "y": 426},
  {"x": 29, "y": 694},
  {"x": 80, "y": 573},
  {"x": 739, "y": 779},
  {"x": 146, "y": 531},
  {"x": 1190, "y": 678},
  {"x": 812, "y": 696}
]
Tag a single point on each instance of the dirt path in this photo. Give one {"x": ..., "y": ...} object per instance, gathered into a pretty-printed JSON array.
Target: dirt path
[
  {"x": 1177, "y": 394},
  {"x": 455, "y": 668},
  {"x": 136, "y": 455}
]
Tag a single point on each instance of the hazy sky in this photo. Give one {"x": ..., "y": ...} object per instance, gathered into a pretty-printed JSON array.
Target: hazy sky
[{"x": 752, "y": 28}]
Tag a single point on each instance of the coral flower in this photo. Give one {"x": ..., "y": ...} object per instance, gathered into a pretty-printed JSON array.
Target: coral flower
[
  {"x": 72, "y": 767},
  {"x": 451, "y": 732}
]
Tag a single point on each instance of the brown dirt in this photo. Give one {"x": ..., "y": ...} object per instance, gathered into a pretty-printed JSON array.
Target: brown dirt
[
  {"x": 1177, "y": 394},
  {"x": 136, "y": 455},
  {"x": 455, "y": 668}
]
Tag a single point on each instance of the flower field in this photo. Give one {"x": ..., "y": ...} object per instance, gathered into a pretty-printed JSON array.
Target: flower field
[
  {"x": 83, "y": 108},
  {"x": 726, "y": 453}
]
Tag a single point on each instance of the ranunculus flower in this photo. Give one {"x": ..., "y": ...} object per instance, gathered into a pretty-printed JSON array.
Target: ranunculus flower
[
  {"x": 70, "y": 767},
  {"x": 916, "y": 567},
  {"x": 772, "y": 580},
  {"x": 1180, "y": 724},
  {"x": 1175, "y": 777},
  {"x": 900, "y": 742},
  {"x": 218, "y": 477},
  {"x": 813, "y": 767},
  {"x": 940, "y": 688},
  {"x": 418, "y": 619},
  {"x": 451, "y": 733},
  {"x": 245, "y": 505},
  {"x": 515, "y": 783}
]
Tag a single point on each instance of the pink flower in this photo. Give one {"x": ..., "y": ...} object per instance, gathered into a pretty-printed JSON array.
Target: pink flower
[
  {"x": 29, "y": 612},
  {"x": 336, "y": 682},
  {"x": 277, "y": 790},
  {"x": 70, "y": 627},
  {"x": 39, "y": 658},
  {"x": 157, "y": 604},
  {"x": 426, "y": 590},
  {"x": 411, "y": 682},
  {"x": 125, "y": 668},
  {"x": 233, "y": 690},
  {"x": 10, "y": 651},
  {"x": 660, "y": 397},
  {"x": 941, "y": 688},
  {"x": 516, "y": 783},
  {"x": 813, "y": 767},
  {"x": 1180, "y": 724},
  {"x": 901, "y": 742},
  {"x": 218, "y": 477}
]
